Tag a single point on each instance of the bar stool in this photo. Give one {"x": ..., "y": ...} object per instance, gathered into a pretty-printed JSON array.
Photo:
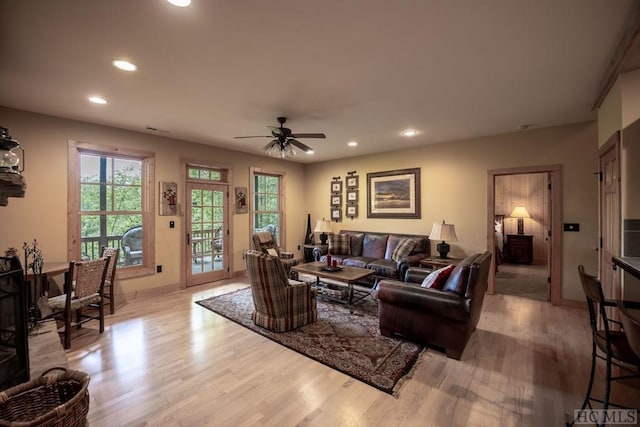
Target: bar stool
[
  {"x": 631, "y": 325},
  {"x": 609, "y": 345}
]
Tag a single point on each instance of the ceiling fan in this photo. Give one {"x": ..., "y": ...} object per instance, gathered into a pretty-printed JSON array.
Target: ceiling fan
[{"x": 281, "y": 146}]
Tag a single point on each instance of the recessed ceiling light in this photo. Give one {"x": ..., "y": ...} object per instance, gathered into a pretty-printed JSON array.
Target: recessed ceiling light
[
  {"x": 180, "y": 3},
  {"x": 97, "y": 100},
  {"x": 124, "y": 65},
  {"x": 309, "y": 152},
  {"x": 352, "y": 143},
  {"x": 409, "y": 132}
]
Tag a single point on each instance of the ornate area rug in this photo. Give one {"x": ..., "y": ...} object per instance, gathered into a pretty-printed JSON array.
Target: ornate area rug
[{"x": 350, "y": 343}]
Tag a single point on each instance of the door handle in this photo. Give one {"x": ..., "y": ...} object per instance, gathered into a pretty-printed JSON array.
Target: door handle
[
  {"x": 614, "y": 267},
  {"x": 188, "y": 238}
]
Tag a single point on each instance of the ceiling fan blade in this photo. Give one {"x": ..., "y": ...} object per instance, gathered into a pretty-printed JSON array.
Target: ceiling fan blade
[
  {"x": 300, "y": 145},
  {"x": 258, "y": 136},
  {"x": 308, "y": 135}
]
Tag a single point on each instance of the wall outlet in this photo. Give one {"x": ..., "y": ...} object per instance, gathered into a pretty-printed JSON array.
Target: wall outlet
[
  {"x": 298, "y": 247},
  {"x": 172, "y": 224},
  {"x": 158, "y": 269}
]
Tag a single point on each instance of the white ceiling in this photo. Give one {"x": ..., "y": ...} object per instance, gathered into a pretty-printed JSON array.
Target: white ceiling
[{"x": 358, "y": 70}]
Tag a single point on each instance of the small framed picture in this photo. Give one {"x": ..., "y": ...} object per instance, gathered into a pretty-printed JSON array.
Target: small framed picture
[
  {"x": 351, "y": 211},
  {"x": 336, "y": 200},
  {"x": 336, "y": 214},
  {"x": 336, "y": 186},
  {"x": 352, "y": 196},
  {"x": 352, "y": 182}
]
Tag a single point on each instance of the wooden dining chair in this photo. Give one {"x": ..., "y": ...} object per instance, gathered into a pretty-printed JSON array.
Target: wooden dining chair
[
  {"x": 110, "y": 280},
  {"x": 83, "y": 287}
]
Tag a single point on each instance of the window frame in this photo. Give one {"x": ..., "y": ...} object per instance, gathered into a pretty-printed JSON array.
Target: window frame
[
  {"x": 281, "y": 235},
  {"x": 74, "y": 243}
]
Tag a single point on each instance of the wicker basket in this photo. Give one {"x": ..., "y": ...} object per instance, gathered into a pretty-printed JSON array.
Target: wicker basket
[{"x": 61, "y": 399}]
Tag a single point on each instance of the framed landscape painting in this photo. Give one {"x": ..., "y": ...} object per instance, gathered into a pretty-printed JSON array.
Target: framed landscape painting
[{"x": 394, "y": 194}]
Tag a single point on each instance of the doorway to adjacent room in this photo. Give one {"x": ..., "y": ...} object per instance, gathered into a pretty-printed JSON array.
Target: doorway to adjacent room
[{"x": 524, "y": 219}]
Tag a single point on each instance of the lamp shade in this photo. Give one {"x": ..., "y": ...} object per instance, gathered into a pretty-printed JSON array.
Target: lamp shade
[
  {"x": 323, "y": 226},
  {"x": 444, "y": 232},
  {"x": 520, "y": 212}
]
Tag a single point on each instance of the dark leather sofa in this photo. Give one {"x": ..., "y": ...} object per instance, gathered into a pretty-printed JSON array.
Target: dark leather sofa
[
  {"x": 439, "y": 318},
  {"x": 373, "y": 250}
]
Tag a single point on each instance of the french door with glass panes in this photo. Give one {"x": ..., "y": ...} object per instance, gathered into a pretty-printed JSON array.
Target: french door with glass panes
[{"x": 206, "y": 233}]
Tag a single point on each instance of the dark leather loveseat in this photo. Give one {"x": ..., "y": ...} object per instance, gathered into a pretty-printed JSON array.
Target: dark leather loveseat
[
  {"x": 442, "y": 318},
  {"x": 375, "y": 250}
]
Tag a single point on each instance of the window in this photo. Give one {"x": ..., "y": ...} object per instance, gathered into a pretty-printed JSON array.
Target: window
[
  {"x": 267, "y": 204},
  {"x": 111, "y": 204},
  {"x": 203, "y": 173}
]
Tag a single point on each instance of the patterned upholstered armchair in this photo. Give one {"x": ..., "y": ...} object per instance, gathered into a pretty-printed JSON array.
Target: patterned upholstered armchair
[
  {"x": 280, "y": 304},
  {"x": 264, "y": 242}
]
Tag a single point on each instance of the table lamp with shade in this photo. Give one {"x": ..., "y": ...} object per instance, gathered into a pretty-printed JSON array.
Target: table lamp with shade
[
  {"x": 443, "y": 232},
  {"x": 520, "y": 212},
  {"x": 323, "y": 226}
]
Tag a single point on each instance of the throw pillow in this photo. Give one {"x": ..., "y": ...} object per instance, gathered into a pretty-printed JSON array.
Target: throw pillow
[
  {"x": 437, "y": 278},
  {"x": 272, "y": 252},
  {"x": 339, "y": 244},
  {"x": 403, "y": 249}
]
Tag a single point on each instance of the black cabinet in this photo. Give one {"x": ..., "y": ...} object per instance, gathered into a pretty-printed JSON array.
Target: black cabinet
[{"x": 519, "y": 249}]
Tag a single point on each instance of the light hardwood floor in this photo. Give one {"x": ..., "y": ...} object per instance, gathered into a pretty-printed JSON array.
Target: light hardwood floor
[{"x": 169, "y": 362}]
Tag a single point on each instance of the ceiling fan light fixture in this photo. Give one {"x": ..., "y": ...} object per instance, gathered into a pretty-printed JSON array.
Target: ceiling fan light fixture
[{"x": 284, "y": 151}]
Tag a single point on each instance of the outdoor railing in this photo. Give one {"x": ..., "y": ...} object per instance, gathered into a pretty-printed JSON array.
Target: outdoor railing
[{"x": 91, "y": 245}]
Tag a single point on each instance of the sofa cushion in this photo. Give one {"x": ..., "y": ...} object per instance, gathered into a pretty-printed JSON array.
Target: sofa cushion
[
  {"x": 385, "y": 268},
  {"x": 358, "y": 261},
  {"x": 392, "y": 243},
  {"x": 403, "y": 249},
  {"x": 436, "y": 279},
  {"x": 422, "y": 245},
  {"x": 339, "y": 244},
  {"x": 374, "y": 245},
  {"x": 459, "y": 278},
  {"x": 356, "y": 243}
]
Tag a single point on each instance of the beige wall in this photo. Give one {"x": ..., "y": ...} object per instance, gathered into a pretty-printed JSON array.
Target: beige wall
[
  {"x": 630, "y": 95},
  {"x": 454, "y": 183},
  {"x": 454, "y": 188},
  {"x": 42, "y": 214},
  {"x": 610, "y": 114}
]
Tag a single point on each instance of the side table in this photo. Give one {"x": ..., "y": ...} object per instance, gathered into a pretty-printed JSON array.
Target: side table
[{"x": 435, "y": 263}]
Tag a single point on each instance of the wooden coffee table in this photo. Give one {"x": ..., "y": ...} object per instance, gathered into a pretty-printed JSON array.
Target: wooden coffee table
[{"x": 346, "y": 275}]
